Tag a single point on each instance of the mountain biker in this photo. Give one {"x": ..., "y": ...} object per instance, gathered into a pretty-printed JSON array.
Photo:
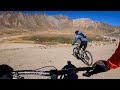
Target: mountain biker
[
  {"x": 71, "y": 75},
  {"x": 6, "y": 72},
  {"x": 105, "y": 65},
  {"x": 80, "y": 36}
]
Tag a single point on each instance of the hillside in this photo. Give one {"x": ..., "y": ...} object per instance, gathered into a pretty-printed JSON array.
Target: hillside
[
  {"x": 96, "y": 27},
  {"x": 34, "y": 22},
  {"x": 18, "y": 22}
]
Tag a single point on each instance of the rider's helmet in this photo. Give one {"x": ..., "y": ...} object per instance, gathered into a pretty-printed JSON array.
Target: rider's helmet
[
  {"x": 69, "y": 62},
  {"x": 6, "y": 72},
  {"x": 76, "y": 32}
]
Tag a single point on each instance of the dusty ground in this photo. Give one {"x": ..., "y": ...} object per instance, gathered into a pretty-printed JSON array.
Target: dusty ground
[{"x": 33, "y": 56}]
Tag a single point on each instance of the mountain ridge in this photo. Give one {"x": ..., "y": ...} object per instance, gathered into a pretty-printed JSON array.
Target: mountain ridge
[{"x": 60, "y": 23}]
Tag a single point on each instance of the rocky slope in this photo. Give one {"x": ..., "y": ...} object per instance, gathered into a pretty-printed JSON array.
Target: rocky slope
[{"x": 94, "y": 26}]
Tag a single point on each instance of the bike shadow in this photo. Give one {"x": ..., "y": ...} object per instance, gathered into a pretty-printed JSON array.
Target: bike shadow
[{"x": 77, "y": 57}]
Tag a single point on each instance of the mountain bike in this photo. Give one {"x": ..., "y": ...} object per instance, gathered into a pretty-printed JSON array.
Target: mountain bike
[
  {"x": 52, "y": 74},
  {"x": 83, "y": 55}
]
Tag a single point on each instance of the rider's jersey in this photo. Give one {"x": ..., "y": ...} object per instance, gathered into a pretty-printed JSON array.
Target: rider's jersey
[
  {"x": 79, "y": 36},
  {"x": 114, "y": 61}
]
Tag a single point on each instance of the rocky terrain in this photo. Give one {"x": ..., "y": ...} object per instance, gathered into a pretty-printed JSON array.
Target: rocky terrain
[{"x": 33, "y": 56}]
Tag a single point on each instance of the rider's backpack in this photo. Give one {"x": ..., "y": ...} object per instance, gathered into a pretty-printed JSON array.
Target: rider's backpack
[{"x": 83, "y": 35}]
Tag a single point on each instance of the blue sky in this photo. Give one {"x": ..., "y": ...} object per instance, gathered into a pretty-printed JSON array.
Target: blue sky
[{"x": 109, "y": 17}]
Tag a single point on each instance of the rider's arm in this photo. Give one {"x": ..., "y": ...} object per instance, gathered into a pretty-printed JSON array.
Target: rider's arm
[
  {"x": 114, "y": 61},
  {"x": 64, "y": 67},
  {"x": 76, "y": 39}
]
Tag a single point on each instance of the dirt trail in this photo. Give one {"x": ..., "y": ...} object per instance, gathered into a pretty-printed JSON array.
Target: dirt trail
[{"x": 33, "y": 56}]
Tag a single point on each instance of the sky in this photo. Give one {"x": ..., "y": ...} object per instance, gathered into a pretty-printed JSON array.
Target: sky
[{"x": 109, "y": 17}]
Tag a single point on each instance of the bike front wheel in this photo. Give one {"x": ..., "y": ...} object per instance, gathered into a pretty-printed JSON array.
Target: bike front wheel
[
  {"x": 75, "y": 51},
  {"x": 87, "y": 58}
]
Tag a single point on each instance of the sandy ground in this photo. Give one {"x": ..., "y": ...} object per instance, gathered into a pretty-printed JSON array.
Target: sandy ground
[{"x": 33, "y": 56}]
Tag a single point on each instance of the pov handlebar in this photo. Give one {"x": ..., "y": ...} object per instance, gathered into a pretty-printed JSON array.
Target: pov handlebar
[
  {"x": 51, "y": 72},
  {"x": 61, "y": 72},
  {"x": 25, "y": 72}
]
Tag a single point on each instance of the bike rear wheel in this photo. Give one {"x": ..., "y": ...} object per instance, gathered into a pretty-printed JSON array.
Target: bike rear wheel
[{"x": 87, "y": 58}]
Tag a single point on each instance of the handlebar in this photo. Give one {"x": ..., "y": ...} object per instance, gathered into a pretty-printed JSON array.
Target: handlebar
[
  {"x": 26, "y": 72},
  {"x": 51, "y": 72}
]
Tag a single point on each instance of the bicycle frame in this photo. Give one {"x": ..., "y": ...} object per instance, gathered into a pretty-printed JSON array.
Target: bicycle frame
[
  {"x": 81, "y": 54},
  {"x": 80, "y": 49}
]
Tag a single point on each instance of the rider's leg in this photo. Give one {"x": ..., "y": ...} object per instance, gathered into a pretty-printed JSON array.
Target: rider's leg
[
  {"x": 85, "y": 45},
  {"x": 78, "y": 53},
  {"x": 81, "y": 45}
]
